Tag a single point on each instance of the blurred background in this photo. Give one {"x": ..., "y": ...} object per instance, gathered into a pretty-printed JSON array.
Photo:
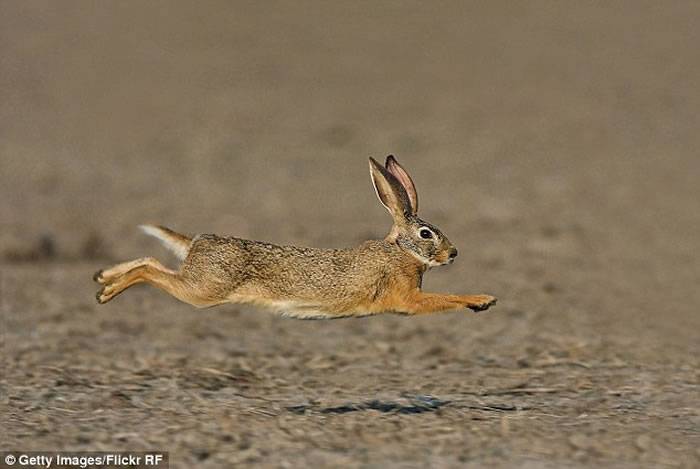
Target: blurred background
[{"x": 555, "y": 143}]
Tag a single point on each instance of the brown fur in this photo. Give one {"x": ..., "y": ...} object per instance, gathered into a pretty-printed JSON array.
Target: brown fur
[{"x": 381, "y": 276}]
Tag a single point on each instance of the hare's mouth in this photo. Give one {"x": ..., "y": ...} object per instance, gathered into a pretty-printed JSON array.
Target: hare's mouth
[
  {"x": 444, "y": 259},
  {"x": 438, "y": 263}
]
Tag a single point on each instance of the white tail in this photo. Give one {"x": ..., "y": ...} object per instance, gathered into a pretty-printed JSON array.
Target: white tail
[{"x": 177, "y": 243}]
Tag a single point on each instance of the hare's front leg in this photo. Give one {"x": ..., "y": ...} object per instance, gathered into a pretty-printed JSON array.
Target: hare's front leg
[{"x": 425, "y": 303}]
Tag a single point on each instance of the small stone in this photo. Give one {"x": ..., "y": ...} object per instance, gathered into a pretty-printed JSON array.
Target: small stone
[{"x": 643, "y": 442}]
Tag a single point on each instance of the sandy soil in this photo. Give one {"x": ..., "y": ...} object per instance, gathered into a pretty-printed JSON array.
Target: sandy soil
[{"x": 554, "y": 143}]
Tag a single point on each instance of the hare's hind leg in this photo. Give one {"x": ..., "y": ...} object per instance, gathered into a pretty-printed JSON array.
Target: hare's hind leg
[
  {"x": 108, "y": 275},
  {"x": 149, "y": 270},
  {"x": 118, "y": 278}
]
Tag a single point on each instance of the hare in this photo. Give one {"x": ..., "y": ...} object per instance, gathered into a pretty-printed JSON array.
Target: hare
[{"x": 379, "y": 276}]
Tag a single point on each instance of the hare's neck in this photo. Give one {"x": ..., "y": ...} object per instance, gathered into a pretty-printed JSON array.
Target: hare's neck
[
  {"x": 393, "y": 235},
  {"x": 410, "y": 260}
]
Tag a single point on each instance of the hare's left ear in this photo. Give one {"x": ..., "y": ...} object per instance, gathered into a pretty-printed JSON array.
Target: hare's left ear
[
  {"x": 402, "y": 176},
  {"x": 390, "y": 192}
]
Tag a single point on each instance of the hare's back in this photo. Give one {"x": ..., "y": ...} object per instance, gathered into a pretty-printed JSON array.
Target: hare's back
[{"x": 284, "y": 271}]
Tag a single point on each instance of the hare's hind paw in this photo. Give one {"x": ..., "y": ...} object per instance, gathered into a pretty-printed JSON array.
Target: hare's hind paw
[
  {"x": 98, "y": 277},
  {"x": 100, "y": 296},
  {"x": 482, "y": 303},
  {"x": 106, "y": 293}
]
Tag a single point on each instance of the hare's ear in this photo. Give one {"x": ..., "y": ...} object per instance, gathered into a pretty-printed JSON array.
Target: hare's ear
[
  {"x": 402, "y": 176},
  {"x": 390, "y": 191}
]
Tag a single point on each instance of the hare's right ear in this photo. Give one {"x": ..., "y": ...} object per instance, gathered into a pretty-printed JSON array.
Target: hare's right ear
[
  {"x": 390, "y": 191},
  {"x": 402, "y": 176}
]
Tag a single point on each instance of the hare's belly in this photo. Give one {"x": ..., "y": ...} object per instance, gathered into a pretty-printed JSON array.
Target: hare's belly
[
  {"x": 291, "y": 308},
  {"x": 299, "y": 309}
]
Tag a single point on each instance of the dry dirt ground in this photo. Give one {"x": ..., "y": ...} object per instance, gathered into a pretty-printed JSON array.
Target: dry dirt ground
[{"x": 555, "y": 143}]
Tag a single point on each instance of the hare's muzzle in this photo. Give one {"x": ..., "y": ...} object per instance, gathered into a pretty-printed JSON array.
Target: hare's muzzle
[{"x": 452, "y": 254}]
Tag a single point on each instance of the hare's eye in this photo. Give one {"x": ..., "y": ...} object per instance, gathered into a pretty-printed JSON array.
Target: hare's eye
[{"x": 425, "y": 233}]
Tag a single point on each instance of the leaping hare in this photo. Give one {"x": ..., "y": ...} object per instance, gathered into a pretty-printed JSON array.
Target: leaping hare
[{"x": 379, "y": 276}]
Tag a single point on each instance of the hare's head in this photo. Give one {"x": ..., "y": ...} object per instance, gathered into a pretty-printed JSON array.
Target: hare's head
[{"x": 397, "y": 193}]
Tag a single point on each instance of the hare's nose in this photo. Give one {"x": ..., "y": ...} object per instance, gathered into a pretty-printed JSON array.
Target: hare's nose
[{"x": 453, "y": 253}]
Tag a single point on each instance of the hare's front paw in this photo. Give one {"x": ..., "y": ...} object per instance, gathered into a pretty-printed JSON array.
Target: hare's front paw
[{"x": 481, "y": 303}]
